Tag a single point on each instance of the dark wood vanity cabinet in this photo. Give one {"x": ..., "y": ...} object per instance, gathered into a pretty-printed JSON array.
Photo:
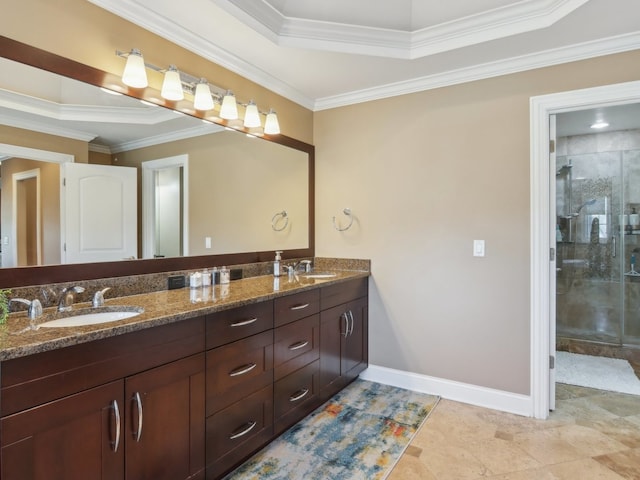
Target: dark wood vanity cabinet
[
  {"x": 296, "y": 357},
  {"x": 188, "y": 400},
  {"x": 128, "y": 407},
  {"x": 239, "y": 385},
  {"x": 344, "y": 331}
]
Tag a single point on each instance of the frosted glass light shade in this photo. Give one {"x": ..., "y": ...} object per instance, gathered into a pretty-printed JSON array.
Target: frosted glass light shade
[
  {"x": 251, "y": 115},
  {"x": 134, "y": 74},
  {"x": 271, "y": 125},
  {"x": 172, "y": 86},
  {"x": 203, "y": 100},
  {"x": 229, "y": 108}
]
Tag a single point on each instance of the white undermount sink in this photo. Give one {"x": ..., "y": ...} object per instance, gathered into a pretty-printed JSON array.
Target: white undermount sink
[
  {"x": 318, "y": 275},
  {"x": 92, "y": 318}
]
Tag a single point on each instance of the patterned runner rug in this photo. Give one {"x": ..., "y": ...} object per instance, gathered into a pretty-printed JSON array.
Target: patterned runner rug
[{"x": 358, "y": 434}]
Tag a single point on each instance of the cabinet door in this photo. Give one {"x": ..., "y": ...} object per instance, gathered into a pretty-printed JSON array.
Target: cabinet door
[
  {"x": 344, "y": 350},
  {"x": 164, "y": 425},
  {"x": 333, "y": 328},
  {"x": 355, "y": 348},
  {"x": 78, "y": 436}
]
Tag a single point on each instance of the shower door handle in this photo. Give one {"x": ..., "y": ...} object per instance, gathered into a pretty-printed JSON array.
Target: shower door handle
[{"x": 614, "y": 241}]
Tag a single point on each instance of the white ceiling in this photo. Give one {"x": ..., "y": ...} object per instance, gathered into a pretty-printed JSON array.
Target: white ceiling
[{"x": 323, "y": 54}]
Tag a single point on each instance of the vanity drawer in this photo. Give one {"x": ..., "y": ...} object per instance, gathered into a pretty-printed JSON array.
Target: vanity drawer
[
  {"x": 293, "y": 307},
  {"x": 238, "y": 369},
  {"x": 339, "y": 293},
  {"x": 235, "y": 432},
  {"x": 296, "y": 395},
  {"x": 295, "y": 345},
  {"x": 230, "y": 325}
]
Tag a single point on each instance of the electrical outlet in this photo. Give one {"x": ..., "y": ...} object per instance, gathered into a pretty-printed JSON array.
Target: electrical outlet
[
  {"x": 207, "y": 242},
  {"x": 478, "y": 248}
]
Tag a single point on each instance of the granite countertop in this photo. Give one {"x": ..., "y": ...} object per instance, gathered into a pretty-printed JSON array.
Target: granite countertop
[{"x": 160, "y": 308}]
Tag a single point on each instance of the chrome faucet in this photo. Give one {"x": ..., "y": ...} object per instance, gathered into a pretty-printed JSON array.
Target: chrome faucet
[
  {"x": 35, "y": 307},
  {"x": 98, "y": 297},
  {"x": 66, "y": 298},
  {"x": 305, "y": 264}
]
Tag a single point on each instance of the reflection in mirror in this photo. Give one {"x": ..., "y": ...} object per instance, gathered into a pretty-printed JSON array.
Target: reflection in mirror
[{"x": 202, "y": 190}]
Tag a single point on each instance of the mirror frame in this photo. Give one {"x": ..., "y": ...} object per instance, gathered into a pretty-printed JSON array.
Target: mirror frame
[{"x": 41, "y": 275}]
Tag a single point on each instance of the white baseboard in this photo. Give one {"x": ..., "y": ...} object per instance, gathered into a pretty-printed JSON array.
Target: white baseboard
[{"x": 460, "y": 392}]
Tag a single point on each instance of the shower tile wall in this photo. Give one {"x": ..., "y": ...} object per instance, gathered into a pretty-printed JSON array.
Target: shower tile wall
[{"x": 589, "y": 280}]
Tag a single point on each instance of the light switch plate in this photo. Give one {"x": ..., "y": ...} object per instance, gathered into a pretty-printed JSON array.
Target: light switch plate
[
  {"x": 207, "y": 242},
  {"x": 478, "y": 248}
]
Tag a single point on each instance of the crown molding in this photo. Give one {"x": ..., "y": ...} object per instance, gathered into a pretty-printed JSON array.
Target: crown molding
[
  {"x": 168, "y": 29},
  {"x": 83, "y": 113},
  {"x": 45, "y": 127},
  {"x": 205, "y": 129},
  {"x": 595, "y": 48},
  {"x": 514, "y": 19}
]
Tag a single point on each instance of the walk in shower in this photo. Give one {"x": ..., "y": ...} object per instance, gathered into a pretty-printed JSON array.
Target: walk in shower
[{"x": 598, "y": 238}]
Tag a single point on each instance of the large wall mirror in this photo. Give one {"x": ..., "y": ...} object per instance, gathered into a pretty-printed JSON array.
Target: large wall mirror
[{"x": 202, "y": 194}]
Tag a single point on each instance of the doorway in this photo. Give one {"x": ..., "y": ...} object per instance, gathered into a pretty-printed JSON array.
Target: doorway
[
  {"x": 27, "y": 214},
  {"x": 543, "y": 226},
  {"x": 165, "y": 207}
]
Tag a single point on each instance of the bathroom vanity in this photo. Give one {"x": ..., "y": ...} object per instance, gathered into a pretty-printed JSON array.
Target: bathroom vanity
[{"x": 185, "y": 390}]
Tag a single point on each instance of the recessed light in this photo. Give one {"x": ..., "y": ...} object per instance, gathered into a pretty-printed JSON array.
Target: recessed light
[{"x": 600, "y": 124}]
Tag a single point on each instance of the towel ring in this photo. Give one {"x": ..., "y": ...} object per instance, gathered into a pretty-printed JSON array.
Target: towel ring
[
  {"x": 279, "y": 216},
  {"x": 347, "y": 212}
]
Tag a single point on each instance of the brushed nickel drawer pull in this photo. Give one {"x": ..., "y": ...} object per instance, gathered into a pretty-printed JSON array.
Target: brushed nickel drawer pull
[
  {"x": 298, "y": 345},
  {"x": 237, "y": 434},
  {"x": 299, "y": 307},
  {"x": 345, "y": 334},
  {"x": 138, "y": 402},
  {"x": 299, "y": 395},
  {"x": 352, "y": 322},
  {"x": 242, "y": 370},
  {"x": 242, "y": 323},
  {"x": 116, "y": 414}
]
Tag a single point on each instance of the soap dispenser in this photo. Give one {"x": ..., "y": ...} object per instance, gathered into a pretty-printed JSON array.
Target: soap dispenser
[{"x": 276, "y": 264}]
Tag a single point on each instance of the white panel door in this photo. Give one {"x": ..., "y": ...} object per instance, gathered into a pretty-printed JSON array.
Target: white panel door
[{"x": 99, "y": 213}]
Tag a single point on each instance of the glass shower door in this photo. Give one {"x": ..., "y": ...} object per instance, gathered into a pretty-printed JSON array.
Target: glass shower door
[
  {"x": 631, "y": 255},
  {"x": 590, "y": 229}
]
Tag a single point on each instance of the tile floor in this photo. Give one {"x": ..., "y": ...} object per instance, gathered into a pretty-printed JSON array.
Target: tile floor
[{"x": 593, "y": 434}]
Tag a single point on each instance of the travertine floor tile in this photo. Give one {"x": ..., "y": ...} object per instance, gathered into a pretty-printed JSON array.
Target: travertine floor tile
[
  {"x": 626, "y": 464},
  {"x": 501, "y": 456},
  {"x": 618, "y": 404},
  {"x": 620, "y": 429},
  {"x": 592, "y": 435},
  {"x": 411, "y": 468},
  {"x": 548, "y": 446},
  {"x": 582, "y": 469}
]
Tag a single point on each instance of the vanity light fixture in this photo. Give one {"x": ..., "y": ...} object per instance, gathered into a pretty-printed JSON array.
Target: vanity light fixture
[
  {"x": 203, "y": 100},
  {"x": 205, "y": 95},
  {"x": 251, "y": 115},
  {"x": 172, "y": 85},
  {"x": 599, "y": 124},
  {"x": 271, "y": 125},
  {"x": 134, "y": 74},
  {"x": 229, "y": 108}
]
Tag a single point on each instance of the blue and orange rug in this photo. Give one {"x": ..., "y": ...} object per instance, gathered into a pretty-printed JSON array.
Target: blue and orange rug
[{"x": 358, "y": 434}]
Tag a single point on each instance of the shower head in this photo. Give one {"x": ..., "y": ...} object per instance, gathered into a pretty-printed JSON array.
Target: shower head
[
  {"x": 591, "y": 201},
  {"x": 564, "y": 169}
]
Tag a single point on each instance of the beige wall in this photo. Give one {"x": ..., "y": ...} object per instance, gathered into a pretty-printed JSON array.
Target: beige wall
[
  {"x": 236, "y": 185},
  {"x": 44, "y": 141},
  {"x": 88, "y": 34},
  {"x": 425, "y": 175}
]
